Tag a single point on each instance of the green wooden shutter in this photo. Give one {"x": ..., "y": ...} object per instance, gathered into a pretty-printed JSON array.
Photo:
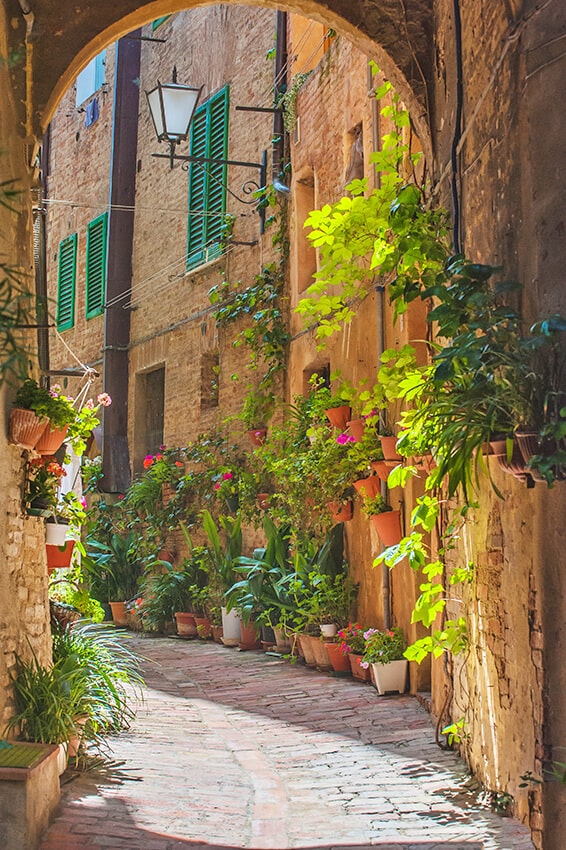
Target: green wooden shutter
[
  {"x": 207, "y": 195},
  {"x": 96, "y": 241},
  {"x": 66, "y": 283}
]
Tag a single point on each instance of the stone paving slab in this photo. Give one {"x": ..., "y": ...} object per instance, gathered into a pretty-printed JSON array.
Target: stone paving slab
[{"x": 243, "y": 750}]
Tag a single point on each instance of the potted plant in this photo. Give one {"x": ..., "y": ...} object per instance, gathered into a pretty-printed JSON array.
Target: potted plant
[
  {"x": 51, "y": 411},
  {"x": 384, "y": 652},
  {"x": 116, "y": 568},
  {"x": 42, "y": 481},
  {"x": 384, "y": 519},
  {"x": 256, "y": 412},
  {"x": 352, "y": 644}
]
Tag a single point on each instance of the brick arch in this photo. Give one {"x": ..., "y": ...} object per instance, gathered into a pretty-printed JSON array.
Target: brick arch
[{"x": 399, "y": 36}]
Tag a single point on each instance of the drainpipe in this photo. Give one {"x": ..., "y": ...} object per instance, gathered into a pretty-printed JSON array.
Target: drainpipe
[
  {"x": 115, "y": 455},
  {"x": 278, "y": 149},
  {"x": 380, "y": 333}
]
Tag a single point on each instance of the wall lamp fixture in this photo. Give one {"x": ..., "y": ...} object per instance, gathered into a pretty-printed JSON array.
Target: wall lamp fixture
[{"x": 172, "y": 106}]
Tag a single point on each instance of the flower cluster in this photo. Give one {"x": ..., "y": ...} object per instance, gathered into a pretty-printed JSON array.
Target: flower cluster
[
  {"x": 43, "y": 480},
  {"x": 351, "y": 639},
  {"x": 225, "y": 484},
  {"x": 343, "y": 439},
  {"x": 86, "y": 419},
  {"x": 134, "y": 606},
  {"x": 383, "y": 646}
]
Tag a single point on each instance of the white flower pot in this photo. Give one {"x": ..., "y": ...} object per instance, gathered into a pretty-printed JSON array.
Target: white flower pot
[
  {"x": 55, "y": 533},
  {"x": 391, "y": 677},
  {"x": 328, "y": 630},
  {"x": 231, "y": 630}
]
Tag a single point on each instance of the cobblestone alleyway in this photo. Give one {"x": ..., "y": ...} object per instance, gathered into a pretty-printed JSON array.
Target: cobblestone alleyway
[{"x": 239, "y": 749}]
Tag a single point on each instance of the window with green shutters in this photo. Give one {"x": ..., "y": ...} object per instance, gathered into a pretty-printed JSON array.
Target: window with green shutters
[
  {"x": 207, "y": 195},
  {"x": 66, "y": 283},
  {"x": 96, "y": 241}
]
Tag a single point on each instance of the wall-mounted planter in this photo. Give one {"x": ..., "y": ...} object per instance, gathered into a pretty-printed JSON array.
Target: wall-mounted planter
[
  {"x": 341, "y": 512},
  {"x": 381, "y": 468},
  {"x": 339, "y": 416},
  {"x": 390, "y": 453},
  {"x": 368, "y": 487},
  {"x": 257, "y": 436},
  {"x": 357, "y": 428},
  {"x": 388, "y": 526}
]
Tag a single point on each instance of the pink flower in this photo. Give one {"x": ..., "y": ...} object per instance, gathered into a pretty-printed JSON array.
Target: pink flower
[
  {"x": 345, "y": 438},
  {"x": 83, "y": 502},
  {"x": 364, "y": 664},
  {"x": 227, "y": 476},
  {"x": 147, "y": 461},
  {"x": 218, "y": 485},
  {"x": 89, "y": 404},
  {"x": 104, "y": 399},
  {"x": 369, "y": 633}
]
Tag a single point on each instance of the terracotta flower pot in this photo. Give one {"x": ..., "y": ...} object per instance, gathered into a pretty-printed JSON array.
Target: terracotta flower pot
[
  {"x": 381, "y": 468},
  {"x": 390, "y": 453},
  {"x": 186, "y": 624},
  {"x": 340, "y": 662},
  {"x": 321, "y": 656},
  {"x": 216, "y": 634},
  {"x": 339, "y": 416},
  {"x": 388, "y": 526},
  {"x": 368, "y": 487},
  {"x": 341, "y": 512},
  {"x": 51, "y": 440},
  {"x": 357, "y": 428},
  {"x": 307, "y": 649},
  {"x": 59, "y": 557},
  {"x": 358, "y": 672},
  {"x": 248, "y": 637},
  {"x": 204, "y": 627},
  {"x": 118, "y": 613},
  {"x": 25, "y": 427},
  {"x": 257, "y": 436}
]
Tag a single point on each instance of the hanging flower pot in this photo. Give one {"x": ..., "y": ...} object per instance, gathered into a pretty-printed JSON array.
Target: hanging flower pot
[
  {"x": 340, "y": 512},
  {"x": 339, "y": 416},
  {"x": 59, "y": 557},
  {"x": 257, "y": 436},
  {"x": 51, "y": 439},
  {"x": 25, "y": 427},
  {"x": 56, "y": 533},
  {"x": 357, "y": 428},
  {"x": 388, "y": 526},
  {"x": 390, "y": 453},
  {"x": 368, "y": 488}
]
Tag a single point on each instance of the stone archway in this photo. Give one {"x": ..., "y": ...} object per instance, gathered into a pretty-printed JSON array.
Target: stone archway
[{"x": 56, "y": 46}]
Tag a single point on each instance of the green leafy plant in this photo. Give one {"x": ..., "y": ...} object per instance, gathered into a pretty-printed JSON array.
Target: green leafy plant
[{"x": 381, "y": 647}]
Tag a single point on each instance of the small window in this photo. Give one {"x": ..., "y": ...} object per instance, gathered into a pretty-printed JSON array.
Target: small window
[
  {"x": 66, "y": 283},
  {"x": 207, "y": 195},
  {"x": 91, "y": 78},
  {"x": 96, "y": 240},
  {"x": 150, "y": 410},
  {"x": 209, "y": 376}
]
